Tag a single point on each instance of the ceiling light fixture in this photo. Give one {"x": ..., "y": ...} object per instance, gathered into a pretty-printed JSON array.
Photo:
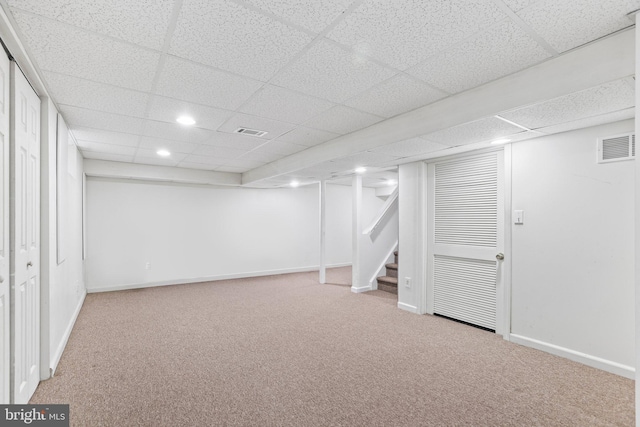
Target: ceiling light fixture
[
  {"x": 391, "y": 182},
  {"x": 294, "y": 184},
  {"x": 186, "y": 120},
  {"x": 163, "y": 153},
  {"x": 501, "y": 141},
  {"x": 361, "y": 170}
]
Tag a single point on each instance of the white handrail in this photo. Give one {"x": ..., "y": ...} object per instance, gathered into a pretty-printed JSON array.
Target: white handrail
[{"x": 393, "y": 197}]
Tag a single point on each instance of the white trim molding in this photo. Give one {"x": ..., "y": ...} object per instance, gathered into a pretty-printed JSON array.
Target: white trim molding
[
  {"x": 407, "y": 307},
  {"x": 65, "y": 338},
  {"x": 361, "y": 289},
  {"x": 576, "y": 356}
]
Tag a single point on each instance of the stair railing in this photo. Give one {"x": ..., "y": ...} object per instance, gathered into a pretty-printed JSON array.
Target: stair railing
[{"x": 393, "y": 198}]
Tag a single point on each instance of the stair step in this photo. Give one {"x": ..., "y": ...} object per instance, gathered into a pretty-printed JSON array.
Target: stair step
[
  {"x": 391, "y": 281},
  {"x": 388, "y": 288},
  {"x": 392, "y": 269}
]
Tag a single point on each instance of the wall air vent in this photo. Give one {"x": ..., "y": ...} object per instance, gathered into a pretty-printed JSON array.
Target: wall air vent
[
  {"x": 251, "y": 132},
  {"x": 615, "y": 148}
]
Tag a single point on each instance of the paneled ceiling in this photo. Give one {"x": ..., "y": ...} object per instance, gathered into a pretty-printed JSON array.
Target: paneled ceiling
[{"x": 306, "y": 72}]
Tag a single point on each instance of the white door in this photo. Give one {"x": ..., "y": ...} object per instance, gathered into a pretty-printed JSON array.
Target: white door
[
  {"x": 25, "y": 237},
  {"x": 5, "y": 294},
  {"x": 466, "y": 238}
]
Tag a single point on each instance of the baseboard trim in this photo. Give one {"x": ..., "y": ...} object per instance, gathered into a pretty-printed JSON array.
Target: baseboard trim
[
  {"x": 407, "y": 307},
  {"x": 211, "y": 278},
  {"x": 361, "y": 289},
  {"x": 65, "y": 338},
  {"x": 576, "y": 356}
]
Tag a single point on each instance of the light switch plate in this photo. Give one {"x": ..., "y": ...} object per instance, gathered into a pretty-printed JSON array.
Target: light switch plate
[{"x": 518, "y": 217}]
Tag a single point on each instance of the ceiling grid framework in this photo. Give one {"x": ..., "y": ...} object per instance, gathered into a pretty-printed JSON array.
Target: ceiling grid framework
[{"x": 315, "y": 76}]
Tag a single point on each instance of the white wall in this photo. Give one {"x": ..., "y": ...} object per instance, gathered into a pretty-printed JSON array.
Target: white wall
[
  {"x": 573, "y": 258},
  {"x": 189, "y": 233},
  {"x": 62, "y": 285}
]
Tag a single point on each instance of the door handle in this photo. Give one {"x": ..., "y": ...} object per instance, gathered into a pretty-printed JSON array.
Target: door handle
[
  {"x": 29, "y": 264},
  {"x": 500, "y": 256}
]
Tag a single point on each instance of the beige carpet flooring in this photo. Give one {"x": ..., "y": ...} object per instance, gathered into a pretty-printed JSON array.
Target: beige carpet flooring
[{"x": 287, "y": 351}]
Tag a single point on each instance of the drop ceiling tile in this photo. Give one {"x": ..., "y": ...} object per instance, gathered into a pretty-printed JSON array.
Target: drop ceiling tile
[
  {"x": 175, "y": 131},
  {"x": 198, "y": 84},
  {"x": 139, "y": 22},
  {"x": 342, "y": 120},
  {"x": 321, "y": 169},
  {"x": 477, "y": 131},
  {"x": 364, "y": 159},
  {"x": 395, "y": 96},
  {"x": 314, "y": 16},
  {"x": 276, "y": 103},
  {"x": 241, "y": 163},
  {"x": 203, "y": 160},
  {"x": 280, "y": 148},
  {"x": 83, "y": 93},
  {"x": 613, "y": 96},
  {"x": 262, "y": 156},
  {"x": 273, "y": 128},
  {"x": 410, "y": 147},
  {"x": 307, "y": 136},
  {"x": 231, "y": 37},
  {"x": 502, "y": 49},
  {"x": 108, "y": 157},
  {"x": 172, "y": 146},
  {"x": 568, "y": 24},
  {"x": 330, "y": 72},
  {"x": 83, "y": 118},
  {"x": 517, "y": 5},
  {"x": 106, "y": 137},
  {"x": 68, "y": 50},
  {"x": 234, "y": 169},
  {"x": 169, "y": 109},
  {"x": 200, "y": 166},
  {"x": 234, "y": 140},
  {"x": 99, "y": 147},
  {"x": 395, "y": 32},
  {"x": 218, "y": 152},
  {"x": 601, "y": 119}
]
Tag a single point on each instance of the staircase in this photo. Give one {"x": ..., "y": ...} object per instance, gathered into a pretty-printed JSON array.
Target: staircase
[{"x": 389, "y": 283}]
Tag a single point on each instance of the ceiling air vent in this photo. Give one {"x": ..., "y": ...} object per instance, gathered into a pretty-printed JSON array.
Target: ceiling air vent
[
  {"x": 615, "y": 148},
  {"x": 251, "y": 132}
]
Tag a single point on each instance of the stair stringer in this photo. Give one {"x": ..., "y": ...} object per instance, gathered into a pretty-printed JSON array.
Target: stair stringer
[{"x": 373, "y": 282}]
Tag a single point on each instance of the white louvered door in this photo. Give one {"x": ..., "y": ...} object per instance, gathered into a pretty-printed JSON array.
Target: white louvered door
[{"x": 466, "y": 233}]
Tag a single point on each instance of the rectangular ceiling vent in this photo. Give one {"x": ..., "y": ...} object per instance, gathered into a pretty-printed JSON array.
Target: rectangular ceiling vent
[
  {"x": 251, "y": 132},
  {"x": 616, "y": 148}
]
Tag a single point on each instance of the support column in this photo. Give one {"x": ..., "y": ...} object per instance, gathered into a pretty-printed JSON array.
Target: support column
[
  {"x": 356, "y": 231},
  {"x": 323, "y": 230},
  {"x": 637, "y": 230}
]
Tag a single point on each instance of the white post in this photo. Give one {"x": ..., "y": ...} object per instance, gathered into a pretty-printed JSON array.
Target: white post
[
  {"x": 323, "y": 230},
  {"x": 356, "y": 231},
  {"x": 637, "y": 232}
]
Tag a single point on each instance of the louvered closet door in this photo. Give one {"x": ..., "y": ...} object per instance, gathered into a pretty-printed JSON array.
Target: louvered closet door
[{"x": 466, "y": 235}]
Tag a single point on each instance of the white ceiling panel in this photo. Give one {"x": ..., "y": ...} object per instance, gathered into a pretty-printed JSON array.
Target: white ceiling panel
[
  {"x": 364, "y": 159},
  {"x": 150, "y": 157},
  {"x": 156, "y": 144},
  {"x": 273, "y": 128},
  {"x": 106, "y": 137},
  {"x": 601, "y": 119},
  {"x": 307, "y": 136},
  {"x": 81, "y": 117},
  {"x": 195, "y": 83},
  {"x": 175, "y": 131},
  {"x": 142, "y": 22},
  {"x": 226, "y": 153},
  {"x": 169, "y": 109},
  {"x": 517, "y": 5},
  {"x": 312, "y": 15},
  {"x": 410, "y": 147},
  {"x": 228, "y": 36},
  {"x": 203, "y": 160},
  {"x": 502, "y": 49},
  {"x": 67, "y": 50},
  {"x": 595, "y": 101},
  {"x": 234, "y": 140},
  {"x": 95, "y": 96},
  {"x": 568, "y": 24},
  {"x": 342, "y": 120},
  {"x": 395, "y": 31},
  {"x": 200, "y": 166},
  {"x": 281, "y": 148},
  {"x": 240, "y": 165},
  {"x": 108, "y": 157},
  {"x": 100, "y": 147},
  {"x": 285, "y": 105},
  {"x": 330, "y": 72},
  {"x": 261, "y": 155},
  {"x": 397, "y": 95},
  {"x": 478, "y": 131}
]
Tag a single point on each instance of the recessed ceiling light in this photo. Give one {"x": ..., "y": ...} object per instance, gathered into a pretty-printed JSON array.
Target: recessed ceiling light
[
  {"x": 391, "y": 182},
  {"x": 294, "y": 184},
  {"x": 186, "y": 120},
  {"x": 361, "y": 170},
  {"x": 163, "y": 153},
  {"x": 501, "y": 141}
]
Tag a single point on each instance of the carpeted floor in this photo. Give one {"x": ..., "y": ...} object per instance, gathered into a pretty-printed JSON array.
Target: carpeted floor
[{"x": 287, "y": 351}]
